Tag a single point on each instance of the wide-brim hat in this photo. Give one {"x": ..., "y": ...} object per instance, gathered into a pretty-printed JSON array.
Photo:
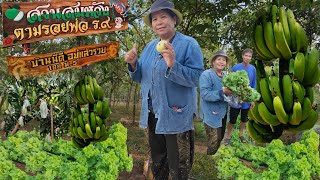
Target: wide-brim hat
[
  {"x": 220, "y": 53},
  {"x": 160, "y": 5}
]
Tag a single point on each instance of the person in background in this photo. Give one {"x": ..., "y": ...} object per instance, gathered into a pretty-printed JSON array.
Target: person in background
[
  {"x": 244, "y": 109},
  {"x": 213, "y": 108},
  {"x": 168, "y": 79}
]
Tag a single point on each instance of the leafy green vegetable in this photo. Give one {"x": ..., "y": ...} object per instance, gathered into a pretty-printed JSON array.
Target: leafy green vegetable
[
  {"x": 299, "y": 160},
  {"x": 61, "y": 160},
  {"x": 238, "y": 82}
]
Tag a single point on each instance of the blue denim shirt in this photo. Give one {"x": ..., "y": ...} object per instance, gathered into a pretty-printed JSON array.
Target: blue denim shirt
[
  {"x": 170, "y": 87},
  {"x": 212, "y": 105}
]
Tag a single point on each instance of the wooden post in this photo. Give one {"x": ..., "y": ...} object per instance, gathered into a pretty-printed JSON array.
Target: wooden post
[{"x": 51, "y": 117}]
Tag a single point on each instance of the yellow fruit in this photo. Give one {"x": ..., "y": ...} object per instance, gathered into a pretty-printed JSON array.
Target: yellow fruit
[{"x": 161, "y": 46}]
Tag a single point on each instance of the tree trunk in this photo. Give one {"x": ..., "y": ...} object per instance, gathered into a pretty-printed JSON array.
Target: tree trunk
[
  {"x": 51, "y": 115},
  {"x": 129, "y": 97},
  {"x": 110, "y": 96},
  {"x": 3, "y": 99},
  {"x": 134, "y": 104}
]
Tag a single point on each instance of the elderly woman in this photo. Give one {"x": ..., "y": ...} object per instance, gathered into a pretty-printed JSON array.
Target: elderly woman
[
  {"x": 213, "y": 108},
  {"x": 168, "y": 89}
]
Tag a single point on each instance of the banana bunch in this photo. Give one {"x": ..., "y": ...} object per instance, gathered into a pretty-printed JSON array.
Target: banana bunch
[
  {"x": 89, "y": 124},
  {"x": 87, "y": 91},
  {"x": 86, "y": 126},
  {"x": 277, "y": 34},
  {"x": 287, "y": 97},
  {"x": 285, "y": 105}
]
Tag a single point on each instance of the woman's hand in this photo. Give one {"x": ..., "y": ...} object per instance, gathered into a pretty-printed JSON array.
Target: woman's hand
[
  {"x": 169, "y": 55},
  {"x": 132, "y": 56},
  {"x": 226, "y": 90}
]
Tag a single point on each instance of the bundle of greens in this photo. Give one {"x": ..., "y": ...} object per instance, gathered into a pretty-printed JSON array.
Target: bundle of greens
[{"x": 238, "y": 82}]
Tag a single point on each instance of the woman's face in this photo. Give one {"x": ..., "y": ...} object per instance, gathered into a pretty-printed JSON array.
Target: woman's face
[
  {"x": 163, "y": 24},
  {"x": 219, "y": 63}
]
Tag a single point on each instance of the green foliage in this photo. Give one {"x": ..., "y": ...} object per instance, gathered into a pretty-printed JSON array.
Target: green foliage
[
  {"x": 299, "y": 160},
  {"x": 61, "y": 160}
]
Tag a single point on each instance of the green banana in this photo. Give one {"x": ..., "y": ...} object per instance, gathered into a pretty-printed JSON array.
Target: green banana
[
  {"x": 103, "y": 130},
  {"x": 279, "y": 109},
  {"x": 292, "y": 27},
  {"x": 274, "y": 14},
  {"x": 82, "y": 134},
  {"x": 260, "y": 42},
  {"x": 83, "y": 91},
  {"x": 256, "y": 115},
  {"x": 80, "y": 121},
  {"x": 76, "y": 144},
  {"x": 316, "y": 78},
  {"x": 80, "y": 142},
  {"x": 301, "y": 39},
  {"x": 281, "y": 41},
  {"x": 97, "y": 134},
  {"x": 75, "y": 132},
  {"x": 287, "y": 93},
  {"x": 254, "y": 134},
  {"x": 262, "y": 129},
  {"x": 106, "y": 111},
  {"x": 251, "y": 117},
  {"x": 90, "y": 82},
  {"x": 90, "y": 94},
  {"x": 102, "y": 138},
  {"x": 97, "y": 89},
  {"x": 299, "y": 66},
  {"x": 310, "y": 93},
  {"x": 267, "y": 116},
  {"x": 99, "y": 121},
  {"x": 88, "y": 131},
  {"x": 306, "y": 108},
  {"x": 77, "y": 94},
  {"x": 298, "y": 91},
  {"x": 284, "y": 21},
  {"x": 260, "y": 54},
  {"x": 270, "y": 41},
  {"x": 98, "y": 108},
  {"x": 297, "y": 114},
  {"x": 75, "y": 121},
  {"x": 311, "y": 64},
  {"x": 307, "y": 124},
  {"x": 71, "y": 128},
  {"x": 275, "y": 86},
  {"x": 85, "y": 117},
  {"x": 93, "y": 121},
  {"x": 100, "y": 93},
  {"x": 265, "y": 94},
  {"x": 291, "y": 66}
]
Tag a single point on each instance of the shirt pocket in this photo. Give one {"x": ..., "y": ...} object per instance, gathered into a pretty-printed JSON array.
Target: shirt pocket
[{"x": 179, "y": 117}]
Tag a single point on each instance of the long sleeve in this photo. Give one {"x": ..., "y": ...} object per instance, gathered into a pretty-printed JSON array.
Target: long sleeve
[
  {"x": 187, "y": 73},
  {"x": 210, "y": 90}
]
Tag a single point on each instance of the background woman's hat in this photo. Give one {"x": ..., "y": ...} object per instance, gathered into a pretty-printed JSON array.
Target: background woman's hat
[
  {"x": 220, "y": 53},
  {"x": 159, "y": 5}
]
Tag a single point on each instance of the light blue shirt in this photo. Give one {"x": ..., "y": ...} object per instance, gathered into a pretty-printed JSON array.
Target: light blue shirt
[
  {"x": 251, "y": 71},
  {"x": 212, "y": 105},
  {"x": 170, "y": 87}
]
